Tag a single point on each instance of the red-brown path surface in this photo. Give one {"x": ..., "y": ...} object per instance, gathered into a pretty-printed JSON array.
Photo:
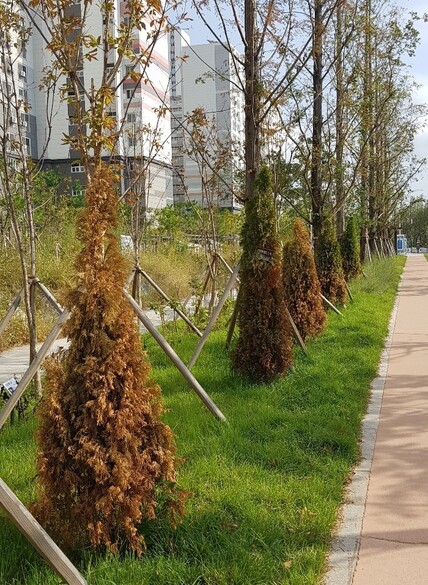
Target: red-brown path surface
[{"x": 394, "y": 539}]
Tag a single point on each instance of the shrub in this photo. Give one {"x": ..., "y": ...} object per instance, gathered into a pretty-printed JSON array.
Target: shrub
[
  {"x": 263, "y": 350},
  {"x": 301, "y": 285},
  {"x": 328, "y": 261},
  {"x": 350, "y": 247},
  {"x": 104, "y": 457}
]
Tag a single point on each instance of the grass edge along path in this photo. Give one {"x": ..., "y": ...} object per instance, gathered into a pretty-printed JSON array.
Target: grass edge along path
[{"x": 266, "y": 488}]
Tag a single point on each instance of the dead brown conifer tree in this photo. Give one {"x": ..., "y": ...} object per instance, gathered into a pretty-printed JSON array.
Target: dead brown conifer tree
[
  {"x": 104, "y": 453},
  {"x": 301, "y": 285}
]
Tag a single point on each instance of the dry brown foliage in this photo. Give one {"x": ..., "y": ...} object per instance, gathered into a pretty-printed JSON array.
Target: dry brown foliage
[
  {"x": 301, "y": 285},
  {"x": 105, "y": 457}
]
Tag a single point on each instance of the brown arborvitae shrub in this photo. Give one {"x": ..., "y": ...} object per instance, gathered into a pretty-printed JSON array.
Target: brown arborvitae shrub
[
  {"x": 301, "y": 285},
  {"x": 328, "y": 260},
  {"x": 105, "y": 458},
  {"x": 263, "y": 350}
]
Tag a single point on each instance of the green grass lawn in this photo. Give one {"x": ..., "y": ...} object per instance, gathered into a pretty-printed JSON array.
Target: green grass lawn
[{"x": 266, "y": 486}]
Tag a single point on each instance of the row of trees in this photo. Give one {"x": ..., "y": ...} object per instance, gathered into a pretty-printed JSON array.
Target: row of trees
[{"x": 104, "y": 454}]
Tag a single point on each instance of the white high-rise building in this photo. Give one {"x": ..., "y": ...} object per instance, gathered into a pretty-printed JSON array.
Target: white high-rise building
[
  {"x": 207, "y": 122},
  {"x": 145, "y": 140}
]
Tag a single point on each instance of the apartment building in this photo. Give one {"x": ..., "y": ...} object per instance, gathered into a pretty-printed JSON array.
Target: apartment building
[
  {"x": 144, "y": 147},
  {"x": 207, "y": 122}
]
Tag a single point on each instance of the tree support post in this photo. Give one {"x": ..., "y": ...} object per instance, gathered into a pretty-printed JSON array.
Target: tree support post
[
  {"x": 330, "y": 304},
  {"x": 184, "y": 371},
  {"x": 180, "y": 313},
  {"x": 214, "y": 316},
  {"x": 11, "y": 311},
  {"x": 296, "y": 331},
  {"x": 38, "y": 537},
  {"x": 33, "y": 368},
  {"x": 49, "y": 296}
]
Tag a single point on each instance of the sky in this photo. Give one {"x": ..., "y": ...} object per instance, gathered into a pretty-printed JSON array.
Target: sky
[{"x": 418, "y": 68}]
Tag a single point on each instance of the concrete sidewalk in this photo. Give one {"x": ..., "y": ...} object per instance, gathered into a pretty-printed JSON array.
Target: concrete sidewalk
[
  {"x": 383, "y": 536},
  {"x": 394, "y": 538}
]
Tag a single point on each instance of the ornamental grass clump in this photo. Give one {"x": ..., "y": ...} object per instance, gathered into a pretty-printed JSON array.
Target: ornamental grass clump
[
  {"x": 301, "y": 285},
  {"x": 328, "y": 260},
  {"x": 105, "y": 457},
  {"x": 263, "y": 350},
  {"x": 350, "y": 247}
]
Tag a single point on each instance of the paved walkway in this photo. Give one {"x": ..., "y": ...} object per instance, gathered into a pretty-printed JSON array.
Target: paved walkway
[
  {"x": 394, "y": 539},
  {"x": 383, "y": 535}
]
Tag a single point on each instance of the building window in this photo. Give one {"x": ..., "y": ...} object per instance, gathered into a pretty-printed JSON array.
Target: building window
[
  {"x": 132, "y": 141},
  {"x": 27, "y": 145},
  {"x": 77, "y": 167},
  {"x": 24, "y": 119},
  {"x": 22, "y": 70},
  {"x": 77, "y": 190},
  {"x": 130, "y": 94},
  {"x": 131, "y": 118}
]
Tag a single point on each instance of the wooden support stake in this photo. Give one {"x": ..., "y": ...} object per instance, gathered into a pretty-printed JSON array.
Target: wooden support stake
[
  {"x": 296, "y": 331},
  {"x": 34, "y": 366},
  {"x": 204, "y": 287},
  {"x": 11, "y": 311},
  {"x": 168, "y": 300},
  {"x": 233, "y": 320},
  {"x": 36, "y": 535},
  {"x": 184, "y": 371},
  {"x": 225, "y": 264},
  {"x": 349, "y": 292},
  {"x": 214, "y": 316},
  {"x": 329, "y": 304},
  {"x": 49, "y": 296}
]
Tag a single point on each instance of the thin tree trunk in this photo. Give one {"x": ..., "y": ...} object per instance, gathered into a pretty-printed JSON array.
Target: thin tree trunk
[
  {"x": 316, "y": 170},
  {"x": 252, "y": 101}
]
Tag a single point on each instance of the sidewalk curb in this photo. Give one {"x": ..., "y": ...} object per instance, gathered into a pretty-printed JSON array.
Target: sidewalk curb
[{"x": 343, "y": 556}]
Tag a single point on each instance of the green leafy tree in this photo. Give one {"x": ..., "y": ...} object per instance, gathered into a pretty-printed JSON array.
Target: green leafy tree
[
  {"x": 328, "y": 261},
  {"x": 263, "y": 350},
  {"x": 301, "y": 285}
]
